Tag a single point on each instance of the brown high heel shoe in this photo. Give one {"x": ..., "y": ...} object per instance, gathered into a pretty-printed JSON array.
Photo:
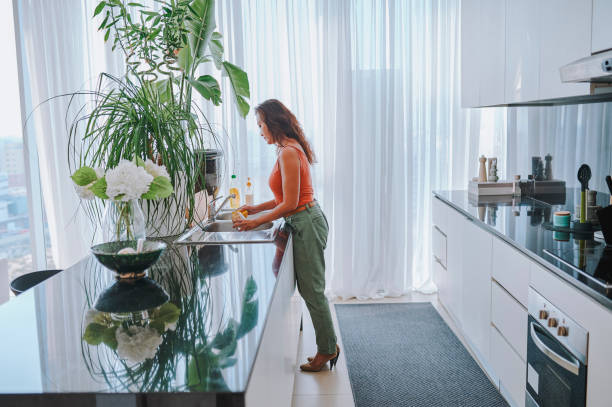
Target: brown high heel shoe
[{"x": 316, "y": 363}]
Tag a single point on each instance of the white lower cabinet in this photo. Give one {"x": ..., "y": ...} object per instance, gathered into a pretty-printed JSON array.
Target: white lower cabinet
[
  {"x": 439, "y": 245},
  {"x": 510, "y": 369},
  {"x": 441, "y": 280},
  {"x": 476, "y": 287},
  {"x": 452, "y": 299},
  {"x": 474, "y": 299},
  {"x": 510, "y": 318},
  {"x": 511, "y": 270},
  {"x": 484, "y": 288}
]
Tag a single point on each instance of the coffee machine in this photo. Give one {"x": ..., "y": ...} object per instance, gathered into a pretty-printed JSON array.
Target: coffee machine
[{"x": 211, "y": 165}]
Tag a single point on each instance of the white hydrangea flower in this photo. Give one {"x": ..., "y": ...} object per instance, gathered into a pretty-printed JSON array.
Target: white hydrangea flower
[
  {"x": 127, "y": 179},
  {"x": 171, "y": 326},
  {"x": 137, "y": 343},
  {"x": 156, "y": 170}
]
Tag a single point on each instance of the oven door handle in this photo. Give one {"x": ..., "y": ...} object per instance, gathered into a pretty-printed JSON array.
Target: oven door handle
[{"x": 572, "y": 366}]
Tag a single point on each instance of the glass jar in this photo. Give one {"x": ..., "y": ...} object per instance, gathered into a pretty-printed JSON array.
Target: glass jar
[{"x": 123, "y": 221}]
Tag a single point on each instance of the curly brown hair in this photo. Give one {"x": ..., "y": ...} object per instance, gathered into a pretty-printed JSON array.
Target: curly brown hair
[{"x": 282, "y": 123}]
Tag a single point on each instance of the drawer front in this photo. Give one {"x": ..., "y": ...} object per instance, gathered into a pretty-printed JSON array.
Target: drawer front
[
  {"x": 439, "y": 246},
  {"x": 510, "y": 318},
  {"x": 511, "y": 270},
  {"x": 439, "y": 213},
  {"x": 440, "y": 276},
  {"x": 509, "y": 368}
]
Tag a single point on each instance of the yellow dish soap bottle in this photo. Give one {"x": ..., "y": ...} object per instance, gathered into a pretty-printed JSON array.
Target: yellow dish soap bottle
[
  {"x": 234, "y": 202},
  {"x": 248, "y": 195}
]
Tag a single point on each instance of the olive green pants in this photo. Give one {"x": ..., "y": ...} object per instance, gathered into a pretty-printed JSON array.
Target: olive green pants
[{"x": 309, "y": 234}]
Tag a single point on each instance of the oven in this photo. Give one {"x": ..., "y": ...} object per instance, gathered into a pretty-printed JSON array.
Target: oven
[{"x": 556, "y": 356}]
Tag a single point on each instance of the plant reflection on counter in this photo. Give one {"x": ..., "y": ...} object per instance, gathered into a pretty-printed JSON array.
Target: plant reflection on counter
[
  {"x": 134, "y": 335},
  {"x": 145, "y": 351}
]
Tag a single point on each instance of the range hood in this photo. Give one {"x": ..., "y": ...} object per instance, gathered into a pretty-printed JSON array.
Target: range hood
[{"x": 594, "y": 69}]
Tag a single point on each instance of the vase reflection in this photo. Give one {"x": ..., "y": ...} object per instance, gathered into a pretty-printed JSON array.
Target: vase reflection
[{"x": 188, "y": 343}]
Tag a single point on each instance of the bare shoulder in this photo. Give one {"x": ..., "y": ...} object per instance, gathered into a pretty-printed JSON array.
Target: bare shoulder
[
  {"x": 288, "y": 154},
  {"x": 289, "y": 160}
]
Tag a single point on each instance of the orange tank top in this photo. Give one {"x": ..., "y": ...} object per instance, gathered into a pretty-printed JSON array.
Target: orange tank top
[{"x": 306, "y": 190}]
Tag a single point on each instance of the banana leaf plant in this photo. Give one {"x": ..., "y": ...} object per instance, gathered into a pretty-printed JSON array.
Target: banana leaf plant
[{"x": 151, "y": 112}]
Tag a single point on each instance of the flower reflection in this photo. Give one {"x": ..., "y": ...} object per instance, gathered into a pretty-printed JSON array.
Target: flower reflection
[
  {"x": 137, "y": 343},
  {"x": 135, "y": 336}
]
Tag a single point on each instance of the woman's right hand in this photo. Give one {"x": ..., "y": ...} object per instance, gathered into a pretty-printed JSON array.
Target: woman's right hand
[{"x": 251, "y": 209}]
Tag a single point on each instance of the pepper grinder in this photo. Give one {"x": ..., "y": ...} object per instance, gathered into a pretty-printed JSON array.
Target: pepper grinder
[
  {"x": 493, "y": 169},
  {"x": 482, "y": 172},
  {"x": 535, "y": 164},
  {"x": 548, "y": 168}
]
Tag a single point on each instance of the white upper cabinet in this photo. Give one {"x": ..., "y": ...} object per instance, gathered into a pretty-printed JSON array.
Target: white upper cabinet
[
  {"x": 470, "y": 14},
  {"x": 601, "y": 39},
  {"x": 522, "y": 51},
  {"x": 492, "y": 42},
  {"x": 565, "y": 37},
  {"x": 482, "y": 54},
  {"x": 512, "y": 49}
]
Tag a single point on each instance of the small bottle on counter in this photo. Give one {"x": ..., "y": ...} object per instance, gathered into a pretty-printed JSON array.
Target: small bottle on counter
[
  {"x": 234, "y": 202},
  {"x": 248, "y": 196}
]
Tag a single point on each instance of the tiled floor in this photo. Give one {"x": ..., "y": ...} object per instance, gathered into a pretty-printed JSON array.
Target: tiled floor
[{"x": 333, "y": 389}]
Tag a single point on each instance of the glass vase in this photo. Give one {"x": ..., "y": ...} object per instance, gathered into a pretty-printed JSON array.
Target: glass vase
[{"x": 123, "y": 221}]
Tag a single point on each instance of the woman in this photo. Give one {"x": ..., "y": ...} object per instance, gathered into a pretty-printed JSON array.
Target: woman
[{"x": 291, "y": 185}]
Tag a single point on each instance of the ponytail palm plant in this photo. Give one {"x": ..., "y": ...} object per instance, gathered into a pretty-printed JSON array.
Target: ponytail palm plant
[{"x": 150, "y": 112}]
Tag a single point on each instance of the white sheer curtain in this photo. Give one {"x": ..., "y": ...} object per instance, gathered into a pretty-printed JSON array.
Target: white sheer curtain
[
  {"x": 62, "y": 52},
  {"x": 376, "y": 86}
]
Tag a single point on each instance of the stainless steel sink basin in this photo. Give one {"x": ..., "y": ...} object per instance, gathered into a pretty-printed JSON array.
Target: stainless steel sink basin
[
  {"x": 224, "y": 216},
  {"x": 228, "y": 226},
  {"x": 222, "y": 232}
]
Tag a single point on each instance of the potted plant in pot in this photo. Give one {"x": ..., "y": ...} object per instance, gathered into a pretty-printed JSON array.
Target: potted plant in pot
[{"x": 150, "y": 112}]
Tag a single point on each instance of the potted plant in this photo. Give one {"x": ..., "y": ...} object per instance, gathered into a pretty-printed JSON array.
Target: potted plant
[{"x": 150, "y": 113}]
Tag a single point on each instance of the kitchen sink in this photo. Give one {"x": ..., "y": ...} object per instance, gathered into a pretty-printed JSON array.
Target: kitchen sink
[
  {"x": 222, "y": 232},
  {"x": 228, "y": 226},
  {"x": 224, "y": 216}
]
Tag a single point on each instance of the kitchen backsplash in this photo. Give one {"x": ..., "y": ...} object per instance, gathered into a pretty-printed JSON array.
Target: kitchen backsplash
[{"x": 573, "y": 135}]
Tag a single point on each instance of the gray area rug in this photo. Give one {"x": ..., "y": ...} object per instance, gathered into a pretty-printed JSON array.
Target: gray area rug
[{"x": 406, "y": 355}]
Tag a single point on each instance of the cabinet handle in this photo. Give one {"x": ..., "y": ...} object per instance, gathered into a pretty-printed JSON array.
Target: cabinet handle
[
  {"x": 439, "y": 230},
  {"x": 571, "y": 366},
  {"x": 437, "y": 260}
]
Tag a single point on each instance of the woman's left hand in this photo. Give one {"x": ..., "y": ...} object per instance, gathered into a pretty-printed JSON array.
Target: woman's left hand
[{"x": 246, "y": 224}]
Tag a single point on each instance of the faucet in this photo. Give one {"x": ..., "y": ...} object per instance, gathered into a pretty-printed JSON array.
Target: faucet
[{"x": 212, "y": 213}]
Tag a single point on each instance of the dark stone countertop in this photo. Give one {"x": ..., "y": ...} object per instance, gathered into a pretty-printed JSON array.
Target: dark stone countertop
[
  {"x": 55, "y": 348},
  {"x": 526, "y": 226}
]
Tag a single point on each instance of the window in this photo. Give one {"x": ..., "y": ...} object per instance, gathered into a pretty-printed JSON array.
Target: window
[{"x": 16, "y": 243}]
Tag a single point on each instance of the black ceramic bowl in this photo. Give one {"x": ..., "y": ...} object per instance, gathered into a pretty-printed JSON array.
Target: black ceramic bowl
[{"x": 128, "y": 264}]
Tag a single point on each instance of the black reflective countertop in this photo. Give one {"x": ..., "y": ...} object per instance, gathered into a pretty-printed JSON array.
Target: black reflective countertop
[
  {"x": 525, "y": 223},
  {"x": 201, "y": 343}
]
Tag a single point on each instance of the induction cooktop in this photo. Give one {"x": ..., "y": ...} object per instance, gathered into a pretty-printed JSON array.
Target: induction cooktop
[{"x": 588, "y": 261}]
